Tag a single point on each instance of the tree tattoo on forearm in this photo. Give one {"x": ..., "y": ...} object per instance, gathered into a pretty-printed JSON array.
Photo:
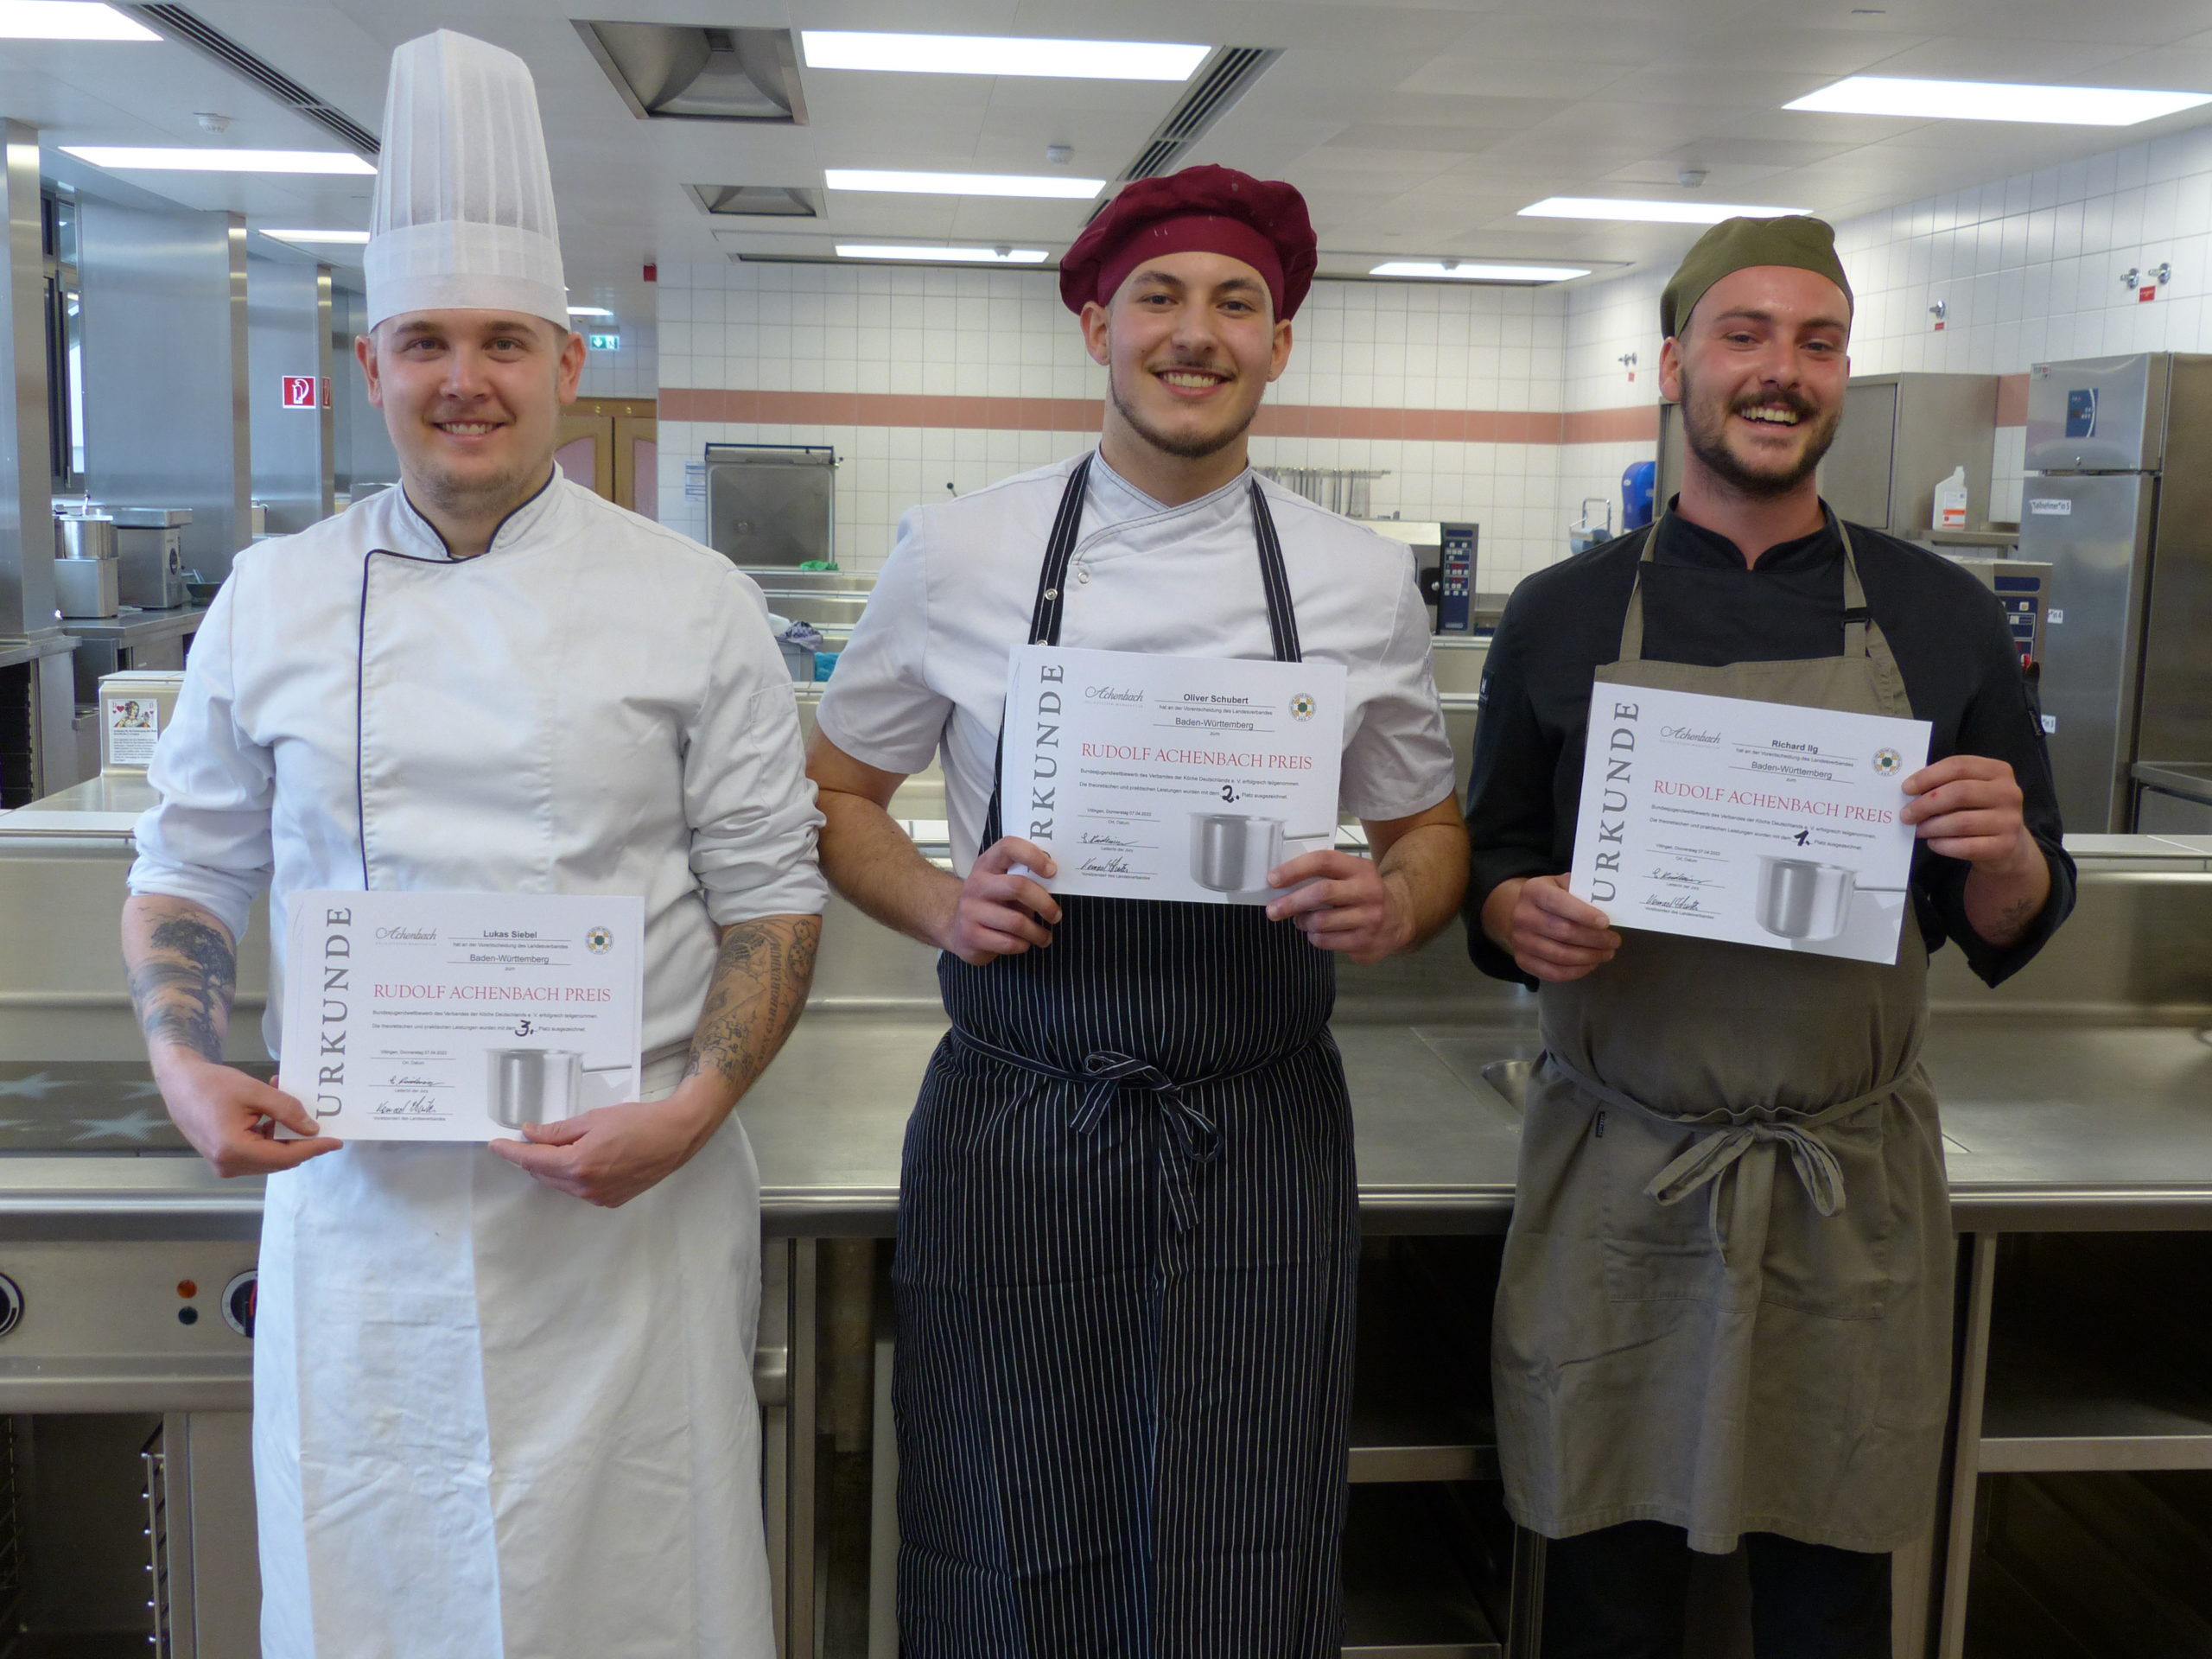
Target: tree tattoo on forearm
[
  {"x": 759, "y": 987},
  {"x": 183, "y": 984}
]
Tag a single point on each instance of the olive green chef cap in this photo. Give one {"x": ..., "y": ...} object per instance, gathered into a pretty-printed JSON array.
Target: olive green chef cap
[{"x": 1734, "y": 245}]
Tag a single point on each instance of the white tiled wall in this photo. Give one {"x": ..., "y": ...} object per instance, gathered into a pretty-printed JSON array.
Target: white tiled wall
[
  {"x": 2029, "y": 267},
  {"x": 1004, "y": 334},
  {"x": 631, "y": 372}
]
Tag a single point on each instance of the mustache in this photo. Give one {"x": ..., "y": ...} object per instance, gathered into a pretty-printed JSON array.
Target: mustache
[{"x": 1796, "y": 402}]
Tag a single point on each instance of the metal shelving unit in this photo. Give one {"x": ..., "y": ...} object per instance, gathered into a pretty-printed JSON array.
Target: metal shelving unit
[
  {"x": 2080, "y": 1517},
  {"x": 1431, "y": 1560}
]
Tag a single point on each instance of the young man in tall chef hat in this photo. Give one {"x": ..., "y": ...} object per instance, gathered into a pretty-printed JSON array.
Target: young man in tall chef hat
[
  {"x": 502, "y": 1397},
  {"x": 1725, "y": 1309},
  {"x": 1127, "y": 1224}
]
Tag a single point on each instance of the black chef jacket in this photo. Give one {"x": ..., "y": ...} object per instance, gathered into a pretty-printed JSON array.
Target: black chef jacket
[{"x": 1702, "y": 605}]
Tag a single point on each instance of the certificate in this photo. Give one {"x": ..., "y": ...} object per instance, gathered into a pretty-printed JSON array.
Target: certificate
[
  {"x": 1183, "y": 778},
  {"x": 461, "y": 1016},
  {"x": 1760, "y": 822}
]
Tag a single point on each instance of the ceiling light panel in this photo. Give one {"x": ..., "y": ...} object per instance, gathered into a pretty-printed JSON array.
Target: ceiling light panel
[
  {"x": 589, "y": 311},
  {"x": 1475, "y": 271},
  {"x": 1650, "y": 212},
  {"x": 125, "y": 157},
  {"x": 1990, "y": 100},
  {"x": 954, "y": 256},
  {"x": 999, "y": 54},
  {"x": 67, "y": 20},
  {"x": 354, "y": 239},
  {"x": 963, "y": 184}
]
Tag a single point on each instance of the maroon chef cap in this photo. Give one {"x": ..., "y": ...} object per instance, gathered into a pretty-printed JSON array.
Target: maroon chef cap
[{"x": 1199, "y": 210}]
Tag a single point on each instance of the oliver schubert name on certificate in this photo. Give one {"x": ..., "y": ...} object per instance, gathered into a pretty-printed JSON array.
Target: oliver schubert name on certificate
[
  {"x": 459, "y": 1016},
  {"x": 1759, "y": 822},
  {"x": 1179, "y": 777}
]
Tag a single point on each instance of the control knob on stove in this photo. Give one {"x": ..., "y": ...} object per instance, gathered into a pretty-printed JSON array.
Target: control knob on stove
[
  {"x": 237, "y": 1302},
  {"x": 12, "y": 1305}
]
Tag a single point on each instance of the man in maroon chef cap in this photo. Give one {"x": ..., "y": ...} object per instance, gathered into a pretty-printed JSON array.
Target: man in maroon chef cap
[{"x": 1127, "y": 1222}]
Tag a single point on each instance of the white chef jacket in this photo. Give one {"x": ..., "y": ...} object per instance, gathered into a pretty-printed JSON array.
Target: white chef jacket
[
  {"x": 490, "y": 1419},
  {"x": 927, "y": 663}
]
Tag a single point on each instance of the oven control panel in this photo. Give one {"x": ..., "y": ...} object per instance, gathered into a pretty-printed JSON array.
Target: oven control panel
[{"x": 88, "y": 1324}]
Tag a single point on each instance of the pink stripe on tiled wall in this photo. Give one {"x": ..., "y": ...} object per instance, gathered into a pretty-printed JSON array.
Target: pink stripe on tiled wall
[{"x": 1082, "y": 414}]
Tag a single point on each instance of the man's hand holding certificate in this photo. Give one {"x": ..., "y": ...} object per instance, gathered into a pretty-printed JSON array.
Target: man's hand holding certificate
[{"x": 1761, "y": 822}]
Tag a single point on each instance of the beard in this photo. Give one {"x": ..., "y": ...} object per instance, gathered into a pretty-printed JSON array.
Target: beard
[
  {"x": 465, "y": 496},
  {"x": 1705, "y": 430},
  {"x": 1195, "y": 447}
]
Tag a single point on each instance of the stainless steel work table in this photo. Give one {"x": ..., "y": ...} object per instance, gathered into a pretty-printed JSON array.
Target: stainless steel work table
[
  {"x": 2048, "y": 1128},
  {"x": 131, "y": 627}
]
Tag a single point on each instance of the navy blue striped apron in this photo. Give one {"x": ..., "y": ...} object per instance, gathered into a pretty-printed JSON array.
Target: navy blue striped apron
[{"x": 1128, "y": 1249}]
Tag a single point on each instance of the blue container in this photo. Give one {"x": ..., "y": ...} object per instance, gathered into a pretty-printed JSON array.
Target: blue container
[
  {"x": 1638, "y": 484},
  {"x": 824, "y": 662}
]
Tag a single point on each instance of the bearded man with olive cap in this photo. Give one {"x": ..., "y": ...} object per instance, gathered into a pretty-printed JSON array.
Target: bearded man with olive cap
[
  {"x": 1127, "y": 1222},
  {"x": 502, "y": 1395},
  {"x": 1726, "y": 1307}
]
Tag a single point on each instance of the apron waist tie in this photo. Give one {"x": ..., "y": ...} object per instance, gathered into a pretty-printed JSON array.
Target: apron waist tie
[
  {"x": 1193, "y": 1138},
  {"x": 1713, "y": 1154}
]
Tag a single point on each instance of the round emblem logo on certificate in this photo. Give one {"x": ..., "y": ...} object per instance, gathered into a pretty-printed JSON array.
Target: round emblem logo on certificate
[
  {"x": 1301, "y": 706},
  {"x": 598, "y": 941},
  {"x": 1887, "y": 762}
]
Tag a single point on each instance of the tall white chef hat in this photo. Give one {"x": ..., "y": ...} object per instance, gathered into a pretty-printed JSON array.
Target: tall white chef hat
[{"x": 464, "y": 202}]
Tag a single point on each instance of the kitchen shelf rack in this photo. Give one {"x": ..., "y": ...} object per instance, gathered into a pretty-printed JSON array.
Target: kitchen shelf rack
[{"x": 1407, "y": 1594}]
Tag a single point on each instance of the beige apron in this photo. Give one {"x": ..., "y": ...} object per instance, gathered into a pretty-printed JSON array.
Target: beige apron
[{"x": 1726, "y": 1295}]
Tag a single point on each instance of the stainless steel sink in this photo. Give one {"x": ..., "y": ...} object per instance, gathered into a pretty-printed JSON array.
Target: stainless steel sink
[{"x": 1509, "y": 1078}]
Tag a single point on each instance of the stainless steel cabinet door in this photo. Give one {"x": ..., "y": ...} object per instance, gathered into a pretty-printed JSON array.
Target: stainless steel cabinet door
[{"x": 2093, "y": 532}]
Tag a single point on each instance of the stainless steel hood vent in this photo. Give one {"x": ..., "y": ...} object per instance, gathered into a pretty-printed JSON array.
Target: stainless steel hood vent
[
  {"x": 1213, "y": 91},
  {"x": 175, "y": 23},
  {"x": 758, "y": 200},
  {"x": 679, "y": 71}
]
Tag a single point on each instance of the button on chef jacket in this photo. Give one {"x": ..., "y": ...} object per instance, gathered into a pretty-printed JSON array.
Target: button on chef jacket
[
  {"x": 490, "y": 1418},
  {"x": 1703, "y": 605},
  {"x": 928, "y": 659}
]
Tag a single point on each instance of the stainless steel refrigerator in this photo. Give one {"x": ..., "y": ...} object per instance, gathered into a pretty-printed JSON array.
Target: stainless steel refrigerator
[{"x": 2118, "y": 502}]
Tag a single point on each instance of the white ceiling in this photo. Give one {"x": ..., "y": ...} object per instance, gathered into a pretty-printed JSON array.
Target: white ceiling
[{"x": 1413, "y": 129}]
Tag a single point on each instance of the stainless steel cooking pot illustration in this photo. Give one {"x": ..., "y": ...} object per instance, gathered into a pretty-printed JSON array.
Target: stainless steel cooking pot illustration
[
  {"x": 1232, "y": 852},
  {"x": 1806, "y": 899},
  {"x": 540, "y": 1085}
]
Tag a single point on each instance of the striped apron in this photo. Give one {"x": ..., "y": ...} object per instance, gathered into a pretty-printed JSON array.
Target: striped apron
[{"x": 1128, "y": 1249}]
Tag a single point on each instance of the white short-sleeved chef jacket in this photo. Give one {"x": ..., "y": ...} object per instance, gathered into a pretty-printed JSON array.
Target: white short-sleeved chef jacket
[{"x": 926, "y": 668}]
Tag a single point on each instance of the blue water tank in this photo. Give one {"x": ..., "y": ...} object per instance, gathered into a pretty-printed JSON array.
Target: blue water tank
[{"x": 1637, "y": 485}]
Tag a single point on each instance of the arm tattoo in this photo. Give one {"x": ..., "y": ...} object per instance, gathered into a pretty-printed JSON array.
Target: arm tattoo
[
  {"x": 2013, "y": 921},
  {"x": 183, "y": 984},
  {"x": 760, "y": 986}
]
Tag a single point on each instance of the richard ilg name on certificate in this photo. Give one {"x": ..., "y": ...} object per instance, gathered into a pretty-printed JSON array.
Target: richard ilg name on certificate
[
  {"x": 1757, "y": 823},
  {"x": 459, "y": 1016},
  {"x": 1181, "y": 778}
]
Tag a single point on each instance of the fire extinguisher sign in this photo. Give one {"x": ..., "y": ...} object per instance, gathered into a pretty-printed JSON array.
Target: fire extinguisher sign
[{"x": 300, "y": 392}]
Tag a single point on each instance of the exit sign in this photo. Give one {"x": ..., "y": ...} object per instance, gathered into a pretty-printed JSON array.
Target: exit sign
[{"x": 604, "y": 342}]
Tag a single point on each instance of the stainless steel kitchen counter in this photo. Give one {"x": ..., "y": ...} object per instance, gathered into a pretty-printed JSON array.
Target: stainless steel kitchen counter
[
  {"x": 2191, "y": 782},
  {"x": 2048, "y": 1127},
  {"x": 132, "y": 627},
  {"x": 16, "y": 653}
]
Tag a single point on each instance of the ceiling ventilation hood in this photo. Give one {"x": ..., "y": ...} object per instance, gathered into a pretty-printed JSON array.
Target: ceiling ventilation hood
[
  {"x": 679, "y": 71},
  {"x": 758, "y": 200}
]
